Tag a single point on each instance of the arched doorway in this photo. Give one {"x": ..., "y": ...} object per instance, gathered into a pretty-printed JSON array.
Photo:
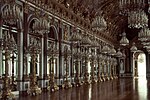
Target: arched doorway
[
  {"x": 139, "y": 68},
  {"x": 141, "y": 65}
]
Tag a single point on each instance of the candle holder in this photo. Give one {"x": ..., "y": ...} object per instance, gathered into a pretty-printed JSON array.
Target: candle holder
[
  {"x": 85, "y": 58},
  {"x": 77, "y": 56},
  {"x": 92, "y": 64},
  {"x": 34, "y": 49},
  {"x": 66, "y": 54},
  {"x": 7, "y": 47},
  {"x": 52, "y": 52},
  {"x": 99, "y": 67}
]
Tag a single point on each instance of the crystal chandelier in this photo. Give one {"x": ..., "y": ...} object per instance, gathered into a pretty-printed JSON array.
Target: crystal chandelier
[
  {"x": 137, "y": 19},
  {"x": 144, "y": 35},
  {"x": 133, "y": 48},
  {"x": 85, "y": 40},
  {"x": 11, "y": 13},
  {"x": 127, "y": 6},
  {"x": 119, "y": 54},
  {"x": 41, "y": 26},
  {"x": 124, "y": 41},
  {"x": 94, "y": 43},
  {"x": 75, "y": 37},
  {"x": 113, "y": 51},
  {"x": 99, "y": 23},
  {"x": 105, "y": 49}
]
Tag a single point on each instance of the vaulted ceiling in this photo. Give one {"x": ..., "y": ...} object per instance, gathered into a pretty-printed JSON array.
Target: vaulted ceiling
[{"x": 88, "y": 9}]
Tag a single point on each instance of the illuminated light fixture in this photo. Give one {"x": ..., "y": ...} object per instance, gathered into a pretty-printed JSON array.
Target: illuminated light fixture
[
  {"x": 124, "y": 41},
  {"x": 85, "y": 40},
  {"x": 119, "y": 54},
  {"x": 113, "y": 51},
  {"x": 137, "y": 19},
  {"x": 127, "y": 6},
  {"x": 105, "y": 49},
  {"x": 144, "y": 35},
  {"x": 133, "y": 48},
  {"x": 75, "y": 37},
  {"x": 99, "y": 23}
]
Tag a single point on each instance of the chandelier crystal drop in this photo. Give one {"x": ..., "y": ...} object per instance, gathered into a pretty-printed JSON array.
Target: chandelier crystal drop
[
  {"x": 137, "y": 19},
  {"x": 99, "y": 23}
]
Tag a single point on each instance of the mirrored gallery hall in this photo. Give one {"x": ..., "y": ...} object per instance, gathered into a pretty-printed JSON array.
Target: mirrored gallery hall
[
  {"x": 74, "y": 49},
  {"x": 120, "y": 89}
]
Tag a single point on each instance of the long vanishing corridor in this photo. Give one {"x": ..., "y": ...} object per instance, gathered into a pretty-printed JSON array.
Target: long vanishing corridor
[{"x": 121, "y": 89}]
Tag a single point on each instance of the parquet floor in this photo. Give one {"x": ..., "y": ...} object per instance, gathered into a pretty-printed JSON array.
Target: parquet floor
[{"x": 121, "y": 89}]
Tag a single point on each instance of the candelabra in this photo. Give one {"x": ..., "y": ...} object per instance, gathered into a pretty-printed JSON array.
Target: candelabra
[
  {"x": 115, "y": 69},
  {"x": 75, "y": 39},
  {"x": 92, "y": 64},
  {"x": 110, "y": 68},
  {"x": 103, "y": 65},
  {"x": 34, "y": 49},
  {"x": 107, "y": 68},
  {"x": 85, "y": 58},
  {"x": 7, "y": 46},
  {"x": 99, "y": 67},
  {"x": 52, "y": 52},
  {"x": 13, "y": 85},
  {"x": 66, "y": 55},
  {"x": 77, "y": 56}
]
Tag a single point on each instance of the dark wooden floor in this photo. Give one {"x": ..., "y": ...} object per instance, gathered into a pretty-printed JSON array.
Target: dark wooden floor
[{"x": 121, "y": 89}]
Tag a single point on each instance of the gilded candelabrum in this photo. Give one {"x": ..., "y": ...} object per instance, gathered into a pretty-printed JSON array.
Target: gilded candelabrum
[
  {"x": 92, "y": 64},
  {"x": 103, "y": 65},
  {"x": 66, "y": 54},
  {"x": 52, "y": 52},
  {"x": 107, "y": 69},
  {"x": 77, "y": 57},
  {"x": 115, "y": 69},
  {"x": 85, "y": 58},
  {"x": 34, "y": 49},
  {"x": 111, "y": 68},
  {"x": 52, "y": 85},
  {"x": 6, "y": 92},
  {"x": 7, "y": 45},
  {"x": 99, "y": 68},
  {"x": 13, "y": 85},
  {"x": 34, "y": 89}
]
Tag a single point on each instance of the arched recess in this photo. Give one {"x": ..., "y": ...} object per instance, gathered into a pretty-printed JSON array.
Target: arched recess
[
  {"x": 31, "y": 37},
  {"x": 139, "y": 64},
  {"x": 52, "y": 38},
  {"x": 13, "y": 29}
]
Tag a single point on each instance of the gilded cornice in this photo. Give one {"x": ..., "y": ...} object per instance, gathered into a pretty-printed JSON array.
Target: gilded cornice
[{"x": 63, "y": 13}]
